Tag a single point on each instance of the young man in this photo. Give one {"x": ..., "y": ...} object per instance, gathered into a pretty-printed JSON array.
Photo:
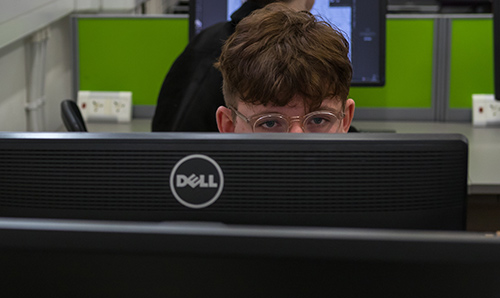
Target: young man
[
  {"x": 285, "y": 71},
  {"x": 192, "y": 89}
]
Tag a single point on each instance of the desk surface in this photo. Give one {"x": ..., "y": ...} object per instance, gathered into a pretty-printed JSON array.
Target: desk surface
[
  {"x": 484, "y": 148},
  {"x": 484, "y": 144}
]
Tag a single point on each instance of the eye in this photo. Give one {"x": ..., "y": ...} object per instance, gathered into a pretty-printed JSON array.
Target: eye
[
  {"x": 319, "y": 120},
  {"x": 270, "y": 124}
]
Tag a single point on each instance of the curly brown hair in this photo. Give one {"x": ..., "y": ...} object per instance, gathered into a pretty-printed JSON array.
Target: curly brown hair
[{"x": 277, "y": 53}]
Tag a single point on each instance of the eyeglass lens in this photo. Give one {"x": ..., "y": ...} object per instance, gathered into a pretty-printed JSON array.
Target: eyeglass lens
[{"x": 320, "y": 122}]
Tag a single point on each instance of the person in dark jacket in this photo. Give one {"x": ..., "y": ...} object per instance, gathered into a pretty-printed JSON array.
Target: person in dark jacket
[{"x": 192, "y": 89}]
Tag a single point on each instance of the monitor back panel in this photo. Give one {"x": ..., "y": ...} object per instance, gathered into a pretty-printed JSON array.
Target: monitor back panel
[
  {"x": 355, "y": 180},
  {"x": 67, "y": 258}
]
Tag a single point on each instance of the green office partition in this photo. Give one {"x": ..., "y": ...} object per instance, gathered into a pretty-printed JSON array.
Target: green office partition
[
  {"x": 134, "y": 53},
  {"x": 409, "y": 57},
  {"x": 471, "y": 67},
  {"x": 127, "y": 53}
]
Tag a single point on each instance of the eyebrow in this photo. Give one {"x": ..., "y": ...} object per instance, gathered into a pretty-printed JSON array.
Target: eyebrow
[{"x": 328, "y": 109}]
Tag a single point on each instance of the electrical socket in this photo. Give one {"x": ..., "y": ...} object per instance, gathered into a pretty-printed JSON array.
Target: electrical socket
[
  {"x": 485, "y": 110},
  {"x": 105, "y": 106}
]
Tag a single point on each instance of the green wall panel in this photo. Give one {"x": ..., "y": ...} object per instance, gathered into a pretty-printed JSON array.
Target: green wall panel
[
  {"x": 129, "y": 54},
  {"x": 408, "y": 68},
  {"x": 471, "y": 69},
  {"x": 135, "y": 53}
]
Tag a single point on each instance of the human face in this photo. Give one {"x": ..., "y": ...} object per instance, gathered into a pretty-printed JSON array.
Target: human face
[
  {"x": 300, "y": 4},
  {"x": 295, "y": 111},
  {"x": 309, "y": 4}
]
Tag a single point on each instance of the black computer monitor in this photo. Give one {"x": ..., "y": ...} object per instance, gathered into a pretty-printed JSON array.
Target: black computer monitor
[
  {"x": 346, "y": 180},
  {"x": 465, "y": 6},
  {"x": 93, "y": 259},
  {"x": 496, "y": 46},
  {"x": 363, "y": 22}
]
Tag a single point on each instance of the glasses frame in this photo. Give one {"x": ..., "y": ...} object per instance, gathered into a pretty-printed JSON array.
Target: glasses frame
[{"x": 289, "y": 119}]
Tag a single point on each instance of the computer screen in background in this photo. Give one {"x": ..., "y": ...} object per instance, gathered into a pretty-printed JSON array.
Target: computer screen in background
[
  {"x": 465, "y": 6},
  {"x": 496, "y": 47},
  {"x": 362, "y": 21}
]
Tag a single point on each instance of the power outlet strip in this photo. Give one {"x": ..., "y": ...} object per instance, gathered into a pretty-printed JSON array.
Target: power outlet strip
[
  {"x": 485, "y": 110},
  {"x": 105, "y": 106}
]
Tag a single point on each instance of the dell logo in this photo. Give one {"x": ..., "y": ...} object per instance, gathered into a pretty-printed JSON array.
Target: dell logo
[{"x": 196, "y": 181}]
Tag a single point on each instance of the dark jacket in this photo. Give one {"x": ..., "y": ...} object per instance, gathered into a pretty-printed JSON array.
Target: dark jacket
[{"x": 192, "y": 89}]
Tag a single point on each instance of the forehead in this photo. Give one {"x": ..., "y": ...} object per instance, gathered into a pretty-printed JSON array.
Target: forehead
[{"x": 294, "y": 108}]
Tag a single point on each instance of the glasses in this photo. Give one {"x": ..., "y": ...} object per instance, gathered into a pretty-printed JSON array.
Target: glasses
[{"x": 318, "y": 121}]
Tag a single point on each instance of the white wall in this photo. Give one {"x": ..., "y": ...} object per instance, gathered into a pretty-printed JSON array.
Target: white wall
[
  {"x": 14, "y": 78},
  {"x": 12, "y": 87},
  {"x": 58, "y": 72},
  {"x": 24, "y": 18}
]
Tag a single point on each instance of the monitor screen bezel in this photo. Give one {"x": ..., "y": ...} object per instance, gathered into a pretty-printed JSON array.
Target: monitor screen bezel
[
  {"x": 110, "y": 258},
  {"x": 496, "y": 47},
  {"x": 129, "y": 173}
]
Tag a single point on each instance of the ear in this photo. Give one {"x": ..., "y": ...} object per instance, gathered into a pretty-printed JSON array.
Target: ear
[
  {"x": 349, "y": 114},
  {"x": 224, "y": 118}
]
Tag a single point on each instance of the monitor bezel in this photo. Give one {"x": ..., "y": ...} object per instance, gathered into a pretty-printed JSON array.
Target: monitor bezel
[
  {"x": 141, "y": 164},
  {"x": 496, "y": 47},
  {"x": 103, "y": 259}
]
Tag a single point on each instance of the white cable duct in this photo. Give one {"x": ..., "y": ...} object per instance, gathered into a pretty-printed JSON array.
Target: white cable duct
[{"x": 37, "y": 53}]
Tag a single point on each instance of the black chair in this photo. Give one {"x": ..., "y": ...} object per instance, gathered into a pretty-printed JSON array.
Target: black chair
[{"x": 71, "y": 116}]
